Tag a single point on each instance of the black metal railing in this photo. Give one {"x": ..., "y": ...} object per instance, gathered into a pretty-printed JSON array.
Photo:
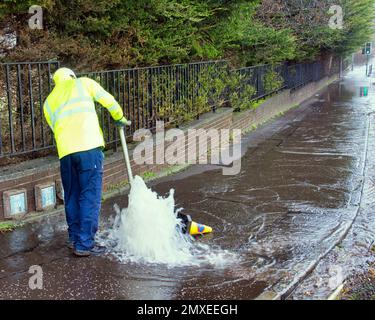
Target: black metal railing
[
  {"x": 265, "y": 79},
  {"x": 23, "y": 88},
  {"x": 298, "y": 75},
  {"x": 170, "y": 93},
  {"x": 154, "y": 93}
]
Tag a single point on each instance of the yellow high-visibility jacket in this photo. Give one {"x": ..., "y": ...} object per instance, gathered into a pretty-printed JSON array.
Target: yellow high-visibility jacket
[{"x": 70, "y": 112}]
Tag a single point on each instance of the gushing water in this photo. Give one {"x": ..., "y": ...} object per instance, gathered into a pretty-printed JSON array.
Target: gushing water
[{"x": 149, "y": 231}]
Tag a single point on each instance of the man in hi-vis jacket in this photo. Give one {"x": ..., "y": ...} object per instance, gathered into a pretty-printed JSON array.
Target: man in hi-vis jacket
[{"x": 70, "y": 112}]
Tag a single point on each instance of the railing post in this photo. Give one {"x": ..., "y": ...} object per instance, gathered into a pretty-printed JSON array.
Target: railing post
[
  {"x": 31, "y": 102},
  {"x": 149, "y": 93}
]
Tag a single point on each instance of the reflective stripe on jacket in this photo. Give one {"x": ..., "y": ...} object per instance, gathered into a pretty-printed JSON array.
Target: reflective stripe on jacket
[{"x": 70, "y": 112}]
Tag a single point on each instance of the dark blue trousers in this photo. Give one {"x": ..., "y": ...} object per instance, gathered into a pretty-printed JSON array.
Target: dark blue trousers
[{"x": 82, "y": 175}]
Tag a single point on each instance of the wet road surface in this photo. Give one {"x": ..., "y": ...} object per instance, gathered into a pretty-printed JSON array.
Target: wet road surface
[{"x": 301, "y": 191}]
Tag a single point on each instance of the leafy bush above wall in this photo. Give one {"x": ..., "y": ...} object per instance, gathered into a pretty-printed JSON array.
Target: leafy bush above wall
[{"x": 95, "y": 35}]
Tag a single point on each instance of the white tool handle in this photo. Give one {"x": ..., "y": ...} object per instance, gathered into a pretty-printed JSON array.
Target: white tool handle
[{"x": 126, "y": 154}]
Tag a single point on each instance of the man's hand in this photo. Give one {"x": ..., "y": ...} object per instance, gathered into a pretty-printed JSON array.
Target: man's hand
[{"x": 123, "y": 122}]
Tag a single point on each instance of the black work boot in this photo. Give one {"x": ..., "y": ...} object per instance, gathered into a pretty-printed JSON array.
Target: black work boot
[{"x": 95, "y": 251}]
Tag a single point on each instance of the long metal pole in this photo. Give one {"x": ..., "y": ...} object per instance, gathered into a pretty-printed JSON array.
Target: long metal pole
[{"x": 126, "y": 154}]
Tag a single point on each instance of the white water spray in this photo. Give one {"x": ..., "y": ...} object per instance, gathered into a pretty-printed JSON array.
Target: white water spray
[{"x": 149, "y": 231}]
